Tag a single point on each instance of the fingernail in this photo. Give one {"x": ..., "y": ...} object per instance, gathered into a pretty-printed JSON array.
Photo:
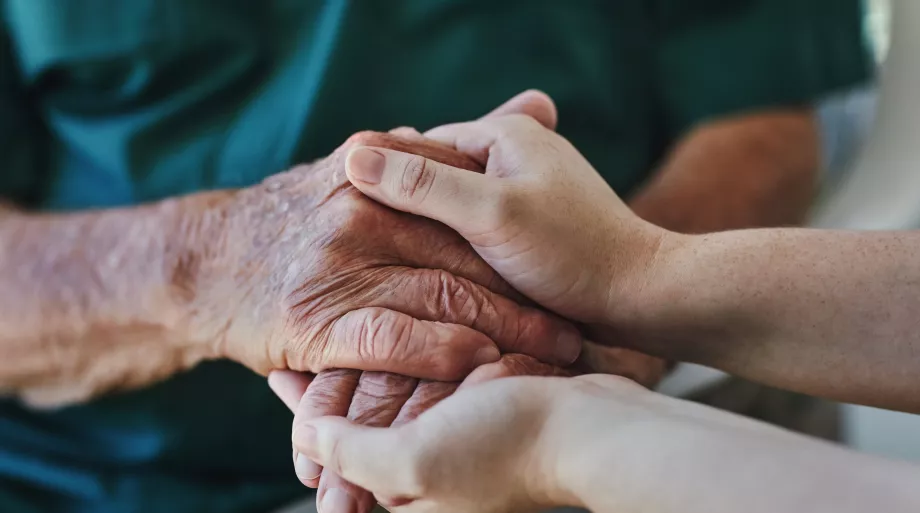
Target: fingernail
[
  {"x": 338, "y": 501},
  {"x": 366, "y": 165},
  {"x": 568, "y": 346},
  {"x": 305, "y": 469},
  {"x": 486, "y": 355}
]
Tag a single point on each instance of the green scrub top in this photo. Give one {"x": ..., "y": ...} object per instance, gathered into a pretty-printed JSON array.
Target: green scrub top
[{"x": 116, "y": 102}]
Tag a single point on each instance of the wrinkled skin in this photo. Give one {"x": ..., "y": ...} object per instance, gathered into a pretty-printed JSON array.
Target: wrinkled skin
[{"x": 334, "y": 280}]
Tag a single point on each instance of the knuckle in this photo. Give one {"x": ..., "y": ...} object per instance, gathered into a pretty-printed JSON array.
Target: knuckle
[
  {"x": 515, "y": 124},
  {"x": 455, "y": 299},
  {"x": 379, "y": 397},
  {"x": 382, "y": 336},
  {"x": 328, "y": 394},
  {"x": 417, "y": 179}
]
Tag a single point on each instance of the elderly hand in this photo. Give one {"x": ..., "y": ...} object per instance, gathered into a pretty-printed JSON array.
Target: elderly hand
[{"x": 305, "y": 273}]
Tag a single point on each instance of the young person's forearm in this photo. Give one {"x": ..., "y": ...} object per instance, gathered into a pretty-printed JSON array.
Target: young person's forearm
[
  {"x": 699, "y": 460},
  {"x": 827, "y": 313},
  {"x": 95, "y": 300},
  {"x": 706, "y": 469}
]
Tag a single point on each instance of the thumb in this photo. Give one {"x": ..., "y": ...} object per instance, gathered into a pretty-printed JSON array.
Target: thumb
[
  {"x": 381, "y": 460},
  {"x": 414, "y": 184}
]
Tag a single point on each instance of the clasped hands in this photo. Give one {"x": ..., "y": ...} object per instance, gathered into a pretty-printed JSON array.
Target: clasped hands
[
  {"x": 385, "y": 305},
  {"x": 470, "y": 313}
]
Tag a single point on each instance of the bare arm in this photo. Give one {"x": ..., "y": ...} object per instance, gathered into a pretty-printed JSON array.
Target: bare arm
[
  {"x": 96, "y": 299},
  {"x": 688, "y": 458},
  {"x": 809, "y": 297},
  {"x": 828, "y": 313},
  {"x": 749, "y": 171},
  {"x": 297, "y": 273},
  {"x": 601, "y": 443},
  {"x": 741, "y": 172}
]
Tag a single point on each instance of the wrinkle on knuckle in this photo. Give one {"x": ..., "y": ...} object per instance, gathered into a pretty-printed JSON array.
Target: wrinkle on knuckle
[
  {"x": 417, "y": 179},
  {"x": 457, "y": 301},
  {"x": 383, "y": 385},
  {"x": 427, "y": 394},
  {"x": 384, "y": 336},
  {"x": 379, "y": 398},
  {"x": 330, "y": 391},
  {"x": 373, "y": 413}
]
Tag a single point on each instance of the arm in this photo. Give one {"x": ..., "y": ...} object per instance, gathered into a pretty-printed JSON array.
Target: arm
[
  {"x": 822, "y": 312},
  {"x": 97, "y": 298},
  {"x": 677, "y": 456},
  {"x": 602, "y": 443},
  {"x": 741, "y": 172},
  {"x": 295, "y": 273}
]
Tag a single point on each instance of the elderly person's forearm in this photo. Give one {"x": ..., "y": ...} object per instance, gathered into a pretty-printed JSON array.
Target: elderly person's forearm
[
  {"x": 96, "y": 299},
  {"x": 748, "y": 171},
  {"x": 300, "y": 272}
]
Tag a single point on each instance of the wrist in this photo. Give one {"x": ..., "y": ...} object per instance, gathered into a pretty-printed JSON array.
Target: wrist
[
  {"x": 196, "y": 266},
  {"x": 632, "y": 280},
  {"x": 669, "y": 313},
  {"x": 548, "y": 475}
]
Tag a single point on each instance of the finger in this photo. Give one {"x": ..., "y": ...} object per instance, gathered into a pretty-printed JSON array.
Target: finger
[
  {"x": 467, "y": 202},
  {"x": 440, "y": 296},
  {"x": 424, "y": 147},
  {"x": 407, "y": 132},
  {"x": 533, "y": 103},
  {"x": 289, "y": 386},
  {"x": 426, "y": 395},
  {"x": 513, "y": 365},
  {"x": 382, "y": 460},
  {"x": 639, "y": 367},
  {"x": 376, "y": 403},
  {"x": 379, "y": 339},
  {"x": 479, "y": 139},
  {"x": 330, "y": 393}
]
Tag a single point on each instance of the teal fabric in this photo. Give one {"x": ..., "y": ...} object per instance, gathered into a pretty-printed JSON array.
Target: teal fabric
[{"x": 116, "y": 102}]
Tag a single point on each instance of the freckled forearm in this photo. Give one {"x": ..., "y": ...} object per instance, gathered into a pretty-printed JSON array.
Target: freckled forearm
[
  {"x": 753, "y": 170},
  {"x": 791, "y": 308},
  {"x": 688, "y": 466},
  {"x": 827, "y": 313},
  {"x": 95, "y": 300}
]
